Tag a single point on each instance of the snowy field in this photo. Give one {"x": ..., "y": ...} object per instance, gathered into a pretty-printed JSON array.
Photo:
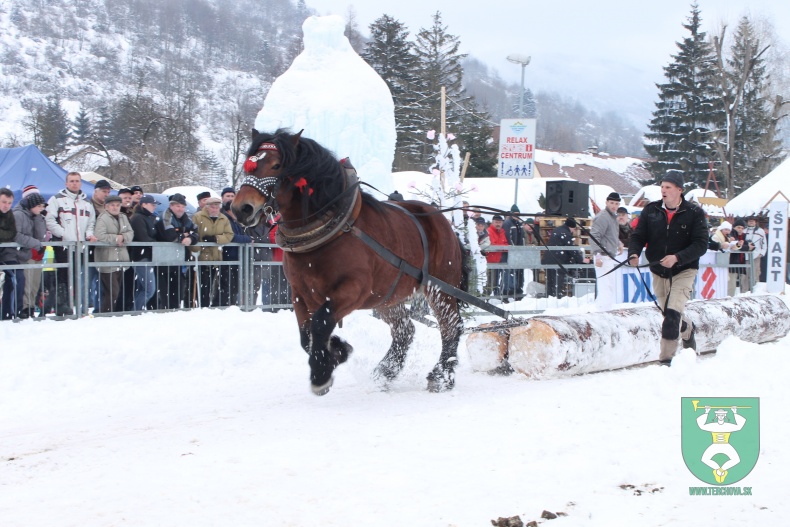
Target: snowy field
[{"x": 206, "y": 418}]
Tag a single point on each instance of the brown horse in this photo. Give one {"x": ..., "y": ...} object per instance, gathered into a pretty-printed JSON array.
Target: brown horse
[{"x": 332, "y": 271}]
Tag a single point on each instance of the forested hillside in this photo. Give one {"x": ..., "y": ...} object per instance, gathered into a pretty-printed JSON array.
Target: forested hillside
[{"x": 163, "y": 92}]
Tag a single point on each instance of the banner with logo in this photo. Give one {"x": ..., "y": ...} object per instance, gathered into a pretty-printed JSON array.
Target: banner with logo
[
  {"x": 516, "y": 148},
  {"x": 636, "y": 285}
]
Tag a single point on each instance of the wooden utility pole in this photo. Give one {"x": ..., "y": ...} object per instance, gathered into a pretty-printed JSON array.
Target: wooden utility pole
[
  {"x": 466, "y": 165},
  {"x": 443, "y": 132},
  {"x": 444, "y": 112}
]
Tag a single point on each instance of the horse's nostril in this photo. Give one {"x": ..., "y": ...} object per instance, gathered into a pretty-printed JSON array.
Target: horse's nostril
[{"x": 246, "y": 209}]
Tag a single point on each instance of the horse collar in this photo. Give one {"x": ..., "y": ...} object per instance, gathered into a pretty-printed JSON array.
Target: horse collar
[{"x": 329, "y": 226}]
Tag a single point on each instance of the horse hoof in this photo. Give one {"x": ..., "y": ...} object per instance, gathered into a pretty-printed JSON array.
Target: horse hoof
[
  {"x": 324, "y": 388},
  {"x": 435, "y": 386},
  {"x": 440, "y": 382}
]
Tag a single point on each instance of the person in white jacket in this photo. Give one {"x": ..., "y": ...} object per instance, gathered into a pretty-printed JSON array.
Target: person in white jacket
[
  {"x": 70, "y": 218},
  {"x": 606, "y": 247},
  {"x": 756, "y": 235}
]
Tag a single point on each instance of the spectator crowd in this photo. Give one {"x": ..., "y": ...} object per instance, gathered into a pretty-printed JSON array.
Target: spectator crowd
[{"x": 124, "y": 232}]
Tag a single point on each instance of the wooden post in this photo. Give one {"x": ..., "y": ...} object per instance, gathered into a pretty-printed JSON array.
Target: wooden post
[
  {"x": 444, "y": 133},
  {"x": 444, "y": 112},
  {"x": 466, "y": 165}
]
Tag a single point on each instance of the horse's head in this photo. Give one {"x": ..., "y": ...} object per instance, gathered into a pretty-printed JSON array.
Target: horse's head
[
  {"x": 266, "y": 159},
  {"x": 287, "y": 173}
]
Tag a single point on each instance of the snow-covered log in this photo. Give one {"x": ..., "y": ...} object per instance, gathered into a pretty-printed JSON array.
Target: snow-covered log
[{"x": 553, "y": 346}]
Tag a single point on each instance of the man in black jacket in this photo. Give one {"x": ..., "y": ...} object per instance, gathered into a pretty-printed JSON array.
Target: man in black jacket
[
  {"x": 144, "y": 224},
  {"x": 175, "y": 282},
  {"x": 561, "y": 236},
  {"x": 513, "y": 279},
  {"x": 676, "y": 234}
]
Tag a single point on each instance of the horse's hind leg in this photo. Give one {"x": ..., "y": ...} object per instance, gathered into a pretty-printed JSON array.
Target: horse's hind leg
[
  {"x": 326, "y": 351},
  {"x": 402, "y": 332},
  {"x": 447, "y": 312}
]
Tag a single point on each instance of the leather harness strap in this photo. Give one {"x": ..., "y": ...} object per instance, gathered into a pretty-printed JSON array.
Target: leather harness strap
[{"x": 421, "y": 275}]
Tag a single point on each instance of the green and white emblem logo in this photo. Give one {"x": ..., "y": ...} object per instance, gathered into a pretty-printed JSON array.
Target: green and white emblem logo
[{"x": 720, "y": 437}]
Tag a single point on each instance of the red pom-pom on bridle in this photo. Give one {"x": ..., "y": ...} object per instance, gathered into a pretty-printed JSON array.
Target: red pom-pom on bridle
[{"x": 251, "y": 164}]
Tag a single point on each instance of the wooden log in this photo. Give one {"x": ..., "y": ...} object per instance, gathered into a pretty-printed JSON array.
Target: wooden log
[
  {"x": 555, "y": 346},
  {"x": 488, "y": 348}
]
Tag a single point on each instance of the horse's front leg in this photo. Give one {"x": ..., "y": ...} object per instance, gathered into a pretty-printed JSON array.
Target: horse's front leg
[
  {"x": 326, "y": 351},
  {"x": 303, "y": 320}
]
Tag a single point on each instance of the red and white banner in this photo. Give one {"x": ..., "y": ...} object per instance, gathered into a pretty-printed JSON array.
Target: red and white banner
[{"x": 711, "y": 282}]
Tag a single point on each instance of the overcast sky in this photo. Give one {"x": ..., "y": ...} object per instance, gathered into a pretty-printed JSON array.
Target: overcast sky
[{"x": 609, "y": 54}]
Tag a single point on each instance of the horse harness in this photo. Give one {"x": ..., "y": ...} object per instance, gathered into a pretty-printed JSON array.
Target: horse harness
[
  {"x": 329, "y": 225},
  {"x": 340, "y": 218}
]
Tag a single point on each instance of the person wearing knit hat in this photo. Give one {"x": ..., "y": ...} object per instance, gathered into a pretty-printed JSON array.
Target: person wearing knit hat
[
  {"x": 674, "y": 235},
  {"x": 228, "y": 194},
  {"x": 606, "y": 248},
  {"x": 31, "y": 231},
  {"x": 30, "y": 189},
  {"x": 34, "y": 200},
  {"x": 720, "y": 239},
  {"x": 676, "y": 178}
]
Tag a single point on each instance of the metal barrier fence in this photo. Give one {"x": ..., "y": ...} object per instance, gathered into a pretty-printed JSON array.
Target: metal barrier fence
[{"x": 71, "y": 284}]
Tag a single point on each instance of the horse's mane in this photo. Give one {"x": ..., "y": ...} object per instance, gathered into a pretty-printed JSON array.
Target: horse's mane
[{"x": 309, "y": 160}]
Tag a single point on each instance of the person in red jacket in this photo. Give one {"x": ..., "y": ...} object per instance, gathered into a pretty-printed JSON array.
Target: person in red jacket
[{"x": 496, "y": 234}]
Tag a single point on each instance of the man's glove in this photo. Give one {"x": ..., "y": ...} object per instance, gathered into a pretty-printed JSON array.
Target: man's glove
[{"x": 210, "y": 239}]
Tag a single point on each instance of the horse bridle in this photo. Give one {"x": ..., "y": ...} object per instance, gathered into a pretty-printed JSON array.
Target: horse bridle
[{"x": 262, "y": 185}]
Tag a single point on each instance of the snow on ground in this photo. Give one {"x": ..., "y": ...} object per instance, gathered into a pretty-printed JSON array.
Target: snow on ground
[{"x": 205, "y": 418}]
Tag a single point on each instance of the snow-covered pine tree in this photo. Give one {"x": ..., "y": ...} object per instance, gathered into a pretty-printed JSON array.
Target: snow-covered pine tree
[
  {"x": 48, "y": 123},
  {"x": 753, "y": 145},
  {"x": 476, "y": 137},
  {"x": 440, "y": 66},
  {"x": 390, "y": 54},
  {"x": 81, "y": 130},
  {"x": 530, "y": 108},
  {"x": 689, "y": 110}
]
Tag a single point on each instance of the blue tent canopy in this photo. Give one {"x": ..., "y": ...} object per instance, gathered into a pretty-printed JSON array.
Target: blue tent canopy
[{"x": 26, "y": 165}]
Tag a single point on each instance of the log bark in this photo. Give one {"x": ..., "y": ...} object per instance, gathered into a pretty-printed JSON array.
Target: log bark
[{"x": 555, "y": 346}]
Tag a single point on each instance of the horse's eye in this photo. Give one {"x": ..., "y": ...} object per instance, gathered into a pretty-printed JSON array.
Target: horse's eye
[{"x": 276, "y": 167}]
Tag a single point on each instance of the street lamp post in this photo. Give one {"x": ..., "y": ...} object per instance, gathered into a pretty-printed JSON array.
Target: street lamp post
[{"x": 516, "y": 58}]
